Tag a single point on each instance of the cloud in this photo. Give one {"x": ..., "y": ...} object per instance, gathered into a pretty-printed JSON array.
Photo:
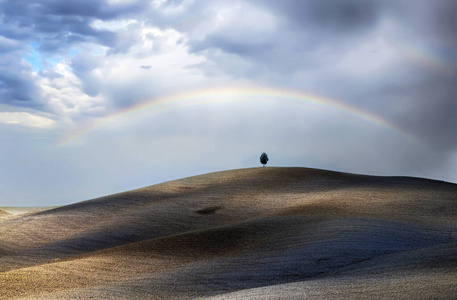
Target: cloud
[
  {"x": 17, "y": 86},
  {"x": 26, "y": 119},
  {"x": 241, "y": 29},
  {"x": 284, "y": 36},
  {"x": 66, "y": 96},
  {"x": 27, "y": 22},
  {"x": 430, "y": 111},
  {"x": 7, "y": 45},
  {"x": 87, "y": 67},
  {"x": 56, "y": 24}
]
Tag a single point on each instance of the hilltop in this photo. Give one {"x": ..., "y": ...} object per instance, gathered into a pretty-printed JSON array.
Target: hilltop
[{"x": 238, "y": 234}]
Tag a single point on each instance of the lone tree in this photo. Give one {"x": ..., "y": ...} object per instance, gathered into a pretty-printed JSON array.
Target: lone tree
[{"x": 263, "y": 159}]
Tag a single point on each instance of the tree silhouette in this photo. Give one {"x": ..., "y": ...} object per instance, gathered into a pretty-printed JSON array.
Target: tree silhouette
[{"x": 263, "y": 159}]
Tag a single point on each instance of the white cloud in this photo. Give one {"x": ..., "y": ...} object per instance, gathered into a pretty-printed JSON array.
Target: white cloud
[
  {"x": 26, "y": 119},
  {"x": 62, "y": 93},
  {"x": 112, "y": 25},
  {"x": 149, "y": 62}
]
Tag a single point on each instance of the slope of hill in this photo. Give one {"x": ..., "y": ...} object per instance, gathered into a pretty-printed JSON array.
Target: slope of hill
[{"x": 250, "y": 233}]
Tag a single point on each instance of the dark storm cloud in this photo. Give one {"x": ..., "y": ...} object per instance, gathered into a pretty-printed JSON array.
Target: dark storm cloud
[
  {"x": 16, "y": 83},
  {"x": 327, "y": 15},
  {"x": 8, "y": 45},
  {"x": 17, "y": 88},
  {"x": 303, "y": 27},
  {"x": 430, "y": 112},
  {"x": 436, "y": 21},
  {"x": 26, "y": 13},
  {"x": 58, "y": 24},
  {"x": 54, "y": 26},
  {"x": 99, "y": 9},
  {"x": 316, "y": 35},
  {"x": 241, "y": 48}
]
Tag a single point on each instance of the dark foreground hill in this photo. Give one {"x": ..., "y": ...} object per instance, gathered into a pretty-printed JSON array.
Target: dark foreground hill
[{"x": 253, "y": 233}]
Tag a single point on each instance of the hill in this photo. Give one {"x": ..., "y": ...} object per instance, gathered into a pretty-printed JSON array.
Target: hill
[
  {"x": 250, "y": 233},
  {"x": 3, "y": 214}
]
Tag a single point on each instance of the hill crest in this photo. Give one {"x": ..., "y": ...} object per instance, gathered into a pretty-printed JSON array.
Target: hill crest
[{"x": 286, "y": 224}]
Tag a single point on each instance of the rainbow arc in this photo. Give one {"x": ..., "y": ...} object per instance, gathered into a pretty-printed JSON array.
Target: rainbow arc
[{"x": 230, "y": 95}]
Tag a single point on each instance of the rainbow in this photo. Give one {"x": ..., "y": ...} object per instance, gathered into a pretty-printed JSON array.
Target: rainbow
[
  {"x": 425, "y": 56},
  {"x": 230, "y": 95}
]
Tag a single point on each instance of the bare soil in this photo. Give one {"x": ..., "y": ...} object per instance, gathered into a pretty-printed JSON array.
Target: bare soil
[{"x": 261, "y": 233}]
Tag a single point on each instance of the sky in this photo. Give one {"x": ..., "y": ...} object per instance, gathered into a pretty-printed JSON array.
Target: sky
[{"x": 104, "y": 96}]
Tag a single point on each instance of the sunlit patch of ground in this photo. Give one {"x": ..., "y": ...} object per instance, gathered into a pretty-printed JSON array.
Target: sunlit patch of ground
[
  {"x": 8, "y": 213},
  {"x": 24, "y": 210}
]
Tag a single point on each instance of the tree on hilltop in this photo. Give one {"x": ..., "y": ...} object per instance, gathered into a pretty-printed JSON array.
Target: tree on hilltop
[{"x": 263, "y": 159}]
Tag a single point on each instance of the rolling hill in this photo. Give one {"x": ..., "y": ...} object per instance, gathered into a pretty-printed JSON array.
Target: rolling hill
[{"x": 251, "y": 233}]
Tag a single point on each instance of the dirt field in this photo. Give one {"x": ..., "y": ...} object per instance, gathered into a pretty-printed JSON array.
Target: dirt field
[{"x": 261, "y": 233}]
